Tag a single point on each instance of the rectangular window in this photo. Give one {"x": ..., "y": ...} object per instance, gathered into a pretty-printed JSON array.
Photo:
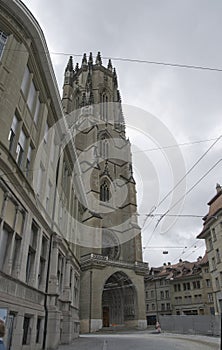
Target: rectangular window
[
  {"x": 26, "y": 331},
  {"x": 3, "y": 39},
  {"x": 208, "y": 283},
  {"x": 213, "y": 264},
  {"x": 38, "y": 329},
  {"x": 161, "y": 295},
  {"x": 25, "y": 81},
  {"x": 213, "y": 234},
  {"x": 168, "y": 306},
  {"x": 218, "y": 256},
  {"x": 21, "y": 147},
  {"x": 210, "y": 297},
  {"x": 147, "y": 307},
  {"x": 37, "y": 109},
  {"x": 31, "y": 96},
  {"x": 28, "y": 160},
  {"x": 11, "y": 136},
  {"x": 217, "y": 283},
  {"x": 210, "y": 244},
  {"x": 167, "y": 295}
]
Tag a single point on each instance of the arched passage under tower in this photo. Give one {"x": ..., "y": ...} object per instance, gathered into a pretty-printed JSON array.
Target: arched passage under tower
[{"x": 119, "y": 300}]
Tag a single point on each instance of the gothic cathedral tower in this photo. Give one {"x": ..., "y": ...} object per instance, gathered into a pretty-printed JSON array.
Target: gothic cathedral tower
[{"x": 112, "y": 277}]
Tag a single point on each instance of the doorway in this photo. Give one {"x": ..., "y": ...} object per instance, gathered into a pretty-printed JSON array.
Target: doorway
[{"x": 105, "y": 316}]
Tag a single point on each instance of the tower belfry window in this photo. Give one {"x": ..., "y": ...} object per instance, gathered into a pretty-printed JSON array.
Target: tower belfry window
[
  {"x": 104, "y": 192},
  {"x": 104, "y": 107}
]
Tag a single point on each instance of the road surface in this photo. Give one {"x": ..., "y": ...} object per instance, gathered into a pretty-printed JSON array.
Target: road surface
[{"x": 142, "y": 341}]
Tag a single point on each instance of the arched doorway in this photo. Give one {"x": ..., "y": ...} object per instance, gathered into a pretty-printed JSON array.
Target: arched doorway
[{"x": 118, "y": 300}]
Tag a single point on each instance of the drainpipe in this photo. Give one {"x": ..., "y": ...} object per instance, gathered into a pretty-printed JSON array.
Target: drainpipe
[
  {"x": 90, "y": 300},
  {"x": 49, "y": 260},
  {"x": 157, "y": 314}
]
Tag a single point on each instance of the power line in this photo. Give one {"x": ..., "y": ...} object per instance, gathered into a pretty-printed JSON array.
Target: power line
[
  {"x": 176, "y": 145},
  {"x": 179, "y": 182},
  {"x": 130, "y": 60},
  {"x": 136, "y": 60}
]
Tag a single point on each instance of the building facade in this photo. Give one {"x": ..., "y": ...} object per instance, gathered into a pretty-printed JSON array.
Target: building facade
[
  {"x": 70, "y": 248},
  {"x": 39, "y": 268},
  {"x": 180, "y": 289},
  {"x": 112, "y": 270},
  {"x": 212, "y": 233}
]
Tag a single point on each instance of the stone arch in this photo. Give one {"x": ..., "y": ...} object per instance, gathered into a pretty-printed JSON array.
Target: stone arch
[{"x": 119, "y": 300}]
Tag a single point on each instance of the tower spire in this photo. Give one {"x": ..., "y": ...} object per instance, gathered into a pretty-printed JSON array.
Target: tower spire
[
  {"x": 69, "y": 66},
  {"x": 110, "y": 66},
  {"x": 115, "y": 78},
  {"x": 84, "y": 60},
  {"x": 90, "y": 61},
  {"x": 98, "y": 59}
]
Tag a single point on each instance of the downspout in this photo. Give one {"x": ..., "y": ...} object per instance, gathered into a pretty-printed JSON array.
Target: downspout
[
  {"x": 90, "y": 301},
  {"x": 49, "y": 260}
]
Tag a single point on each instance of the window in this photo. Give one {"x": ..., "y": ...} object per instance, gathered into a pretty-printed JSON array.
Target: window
[
  {"x": 218, "y": 256},
  {"x": 208, "y": 282},
  {"x": 37, "y": 109},
  {"x": 217, "y": 283},
  {"x": 32, "y": 252},
  {"x": 11, "y": 136},
  {"x": 104, "y": 107},
  {"x": 206, "y": 270},
  {"x": 168, "y": 306},
  {"x": 152, "y": 294},
  {"x": 3, "y": 39},
  {"x": 213, "y": 264},
  {"x": 31, "y": 96},
  {"x": 162, "y": 307},
  {"x": 28, "y": 160},
  {"x": 104, "y": 147},
  {"x": 210, "y": 297},
  {"x": 147, "y": 307},
  {"x": 153, "y": 306},
  {"x": 38, "y": 329},
  {"x": 196, "y": 284},
  {"x": 20, "y": 148},
  {"x": 26, "y": 331},
  {"x": 186, "y": 286},
  {"x": 104, "y": 192},
  {"x": 167, "y": 295},
  {"x": 210, "y": 244},
  {"x": 213, "y": 234},
  {"x": 198, "y": 298},
  {"x": 162, "y": 295},
  {"x": 147, "y": 295},
  {"x": 25, "y": 81}
]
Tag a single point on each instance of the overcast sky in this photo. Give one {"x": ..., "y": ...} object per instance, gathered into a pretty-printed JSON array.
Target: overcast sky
[{"x": 186, "y": 101}]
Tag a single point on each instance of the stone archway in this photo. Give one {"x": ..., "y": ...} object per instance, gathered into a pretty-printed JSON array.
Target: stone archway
[{"x": 119, "y": 300}]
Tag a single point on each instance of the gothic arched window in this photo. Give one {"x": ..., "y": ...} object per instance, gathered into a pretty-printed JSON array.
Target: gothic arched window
[
  {"x": 104, "y": 192},
  {"x": 104, "y": 147},
  {"x": 104, "y": 106}
]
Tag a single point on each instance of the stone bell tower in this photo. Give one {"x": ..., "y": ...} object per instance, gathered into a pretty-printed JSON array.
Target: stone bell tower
[{"x": 112, "y": 279}]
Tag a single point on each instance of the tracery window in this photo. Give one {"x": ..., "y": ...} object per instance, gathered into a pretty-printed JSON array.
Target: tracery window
[{"x": 104, "y": 192}]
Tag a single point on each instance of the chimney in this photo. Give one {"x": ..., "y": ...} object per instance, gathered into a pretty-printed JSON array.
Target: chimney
[{"x": 218, "y": 187}]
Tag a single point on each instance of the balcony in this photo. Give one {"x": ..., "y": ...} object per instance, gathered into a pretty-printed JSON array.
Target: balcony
[{"x": 100, "y": 261}]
